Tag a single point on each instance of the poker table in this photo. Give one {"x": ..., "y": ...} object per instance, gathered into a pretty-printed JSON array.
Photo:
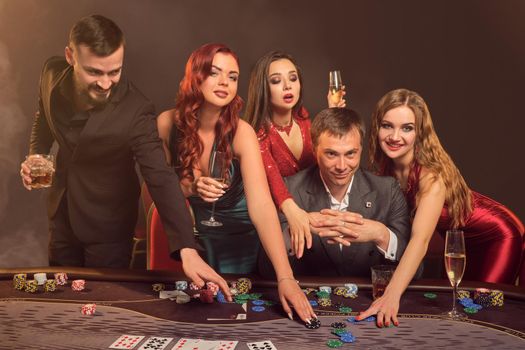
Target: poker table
[{"x": 127, "y": 304}]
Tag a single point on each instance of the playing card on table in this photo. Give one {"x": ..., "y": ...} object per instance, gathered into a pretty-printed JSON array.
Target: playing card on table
[
  {"x": 201, "y": 344},
  {"x": 226, "y": 345},
  {"x": 185, "y": 344},
  {"x": 126, "y": 341},
  {"x": 261, "y": 345},
  {"x": 155, "y": 343}
]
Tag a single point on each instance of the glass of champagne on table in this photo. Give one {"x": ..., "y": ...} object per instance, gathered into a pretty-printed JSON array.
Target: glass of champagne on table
[
  {"x": 218, "y": 173},
  {"x": 336, "y": 87},
  {"x": 455, "y": 260}
]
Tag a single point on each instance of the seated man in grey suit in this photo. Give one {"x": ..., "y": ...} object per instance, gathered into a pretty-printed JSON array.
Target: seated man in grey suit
[{"x": 358, "y": 219}]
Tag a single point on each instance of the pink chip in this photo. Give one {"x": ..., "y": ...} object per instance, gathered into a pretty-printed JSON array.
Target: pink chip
[
  {"x": 193, "y": 286},
  {"x": 214, "y": 287},
  {"x": 78, "y": 285},
  {"x": 88, "y": 309}
]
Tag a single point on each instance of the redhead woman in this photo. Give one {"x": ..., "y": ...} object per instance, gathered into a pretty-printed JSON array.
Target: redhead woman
[
  {"x": 206, "y": 119},
  {"x": 275, "y": 110},
  {"x": 404, "y": 144}
]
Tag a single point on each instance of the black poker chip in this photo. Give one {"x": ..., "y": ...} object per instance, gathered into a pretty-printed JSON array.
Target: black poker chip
[
  {"x": 313, "y": 324},
  {"x": 338, "y": 325}
]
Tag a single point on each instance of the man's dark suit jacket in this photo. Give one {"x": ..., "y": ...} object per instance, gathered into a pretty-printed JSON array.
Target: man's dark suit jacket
[
  {"x": 98, "y": 176},
  {"x": 375, "y": 197}
]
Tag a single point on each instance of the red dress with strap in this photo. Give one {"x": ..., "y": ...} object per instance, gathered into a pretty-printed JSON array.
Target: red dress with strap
[
  {"x": 494, "y": 239},
  {"x": 279, "y": 161}
]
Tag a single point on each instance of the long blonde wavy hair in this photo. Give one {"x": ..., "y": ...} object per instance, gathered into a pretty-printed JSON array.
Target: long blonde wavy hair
[{"x": 428, "y": 152}]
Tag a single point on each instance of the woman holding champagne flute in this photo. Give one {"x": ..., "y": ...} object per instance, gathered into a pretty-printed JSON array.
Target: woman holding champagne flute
[
  {"x": 404, "y": 144},
  {"x": 275, "y": 110},
  {"x": 206, "y": 121}
]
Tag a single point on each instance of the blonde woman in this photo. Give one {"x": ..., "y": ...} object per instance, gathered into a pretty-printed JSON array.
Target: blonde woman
[{"x": 404, "y": 144}]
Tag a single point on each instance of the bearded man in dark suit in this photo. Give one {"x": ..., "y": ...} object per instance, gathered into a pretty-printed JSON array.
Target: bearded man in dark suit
[{"x": 103, "y": 125}]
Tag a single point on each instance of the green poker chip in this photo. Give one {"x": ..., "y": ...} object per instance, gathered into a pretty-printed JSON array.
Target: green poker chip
[
  {"x": 339, "y": 331},
  {"x": 269, "y": 303},
  {"x": 254, "y": 296},
  {"x": 430, "y": 295},
  {"x": 470, "y": 310},
  {"x": 242, "y": 296},
  {"x": 240, "y": 301},
  {"x": 334, "y": 343},
  {"x": 323, "y": 295},
  {"x": 345, "y": 309}
]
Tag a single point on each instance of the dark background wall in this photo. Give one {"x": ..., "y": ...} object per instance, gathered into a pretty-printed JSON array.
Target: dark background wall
[{"x": 466, "y": 58}]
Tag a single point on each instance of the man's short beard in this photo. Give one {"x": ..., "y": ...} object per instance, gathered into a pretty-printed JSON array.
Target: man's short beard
[{"x": 86, "y": 98}]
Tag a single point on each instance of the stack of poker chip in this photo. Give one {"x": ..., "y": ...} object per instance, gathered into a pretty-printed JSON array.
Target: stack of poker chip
[
  {"x": 214, "y": 287},
  {"x": 50, "y": 285},
  {"x": 206, "y": 296},
  {"x": 496, "y": 297},
  {"x": 193, "y": 286},
  {"x": 158, "y": 287},
  {"x": 220, "y": 297},
  {"x": 181, "y": 285},
  {"x": 323, "y": 298},
  {"x": 340, "y": 291},
  {"x": 243, "y": 285},
  {"x": 40, "y": 278},
  {"x": 351, "y": 290},
  {"x": 463, "y": 294},
  {"x": 78, "y": 285},
  {"x": 88, "y": 309},
  {"x": 19, "y": 281},
  {"x": 482, "y": 297},
  {"x": 61, "y": 278},
  {"x": 31, "y": 286}
]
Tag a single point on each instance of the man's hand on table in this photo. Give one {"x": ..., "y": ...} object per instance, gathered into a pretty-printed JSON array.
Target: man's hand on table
[{"x": 200, "y": 272}]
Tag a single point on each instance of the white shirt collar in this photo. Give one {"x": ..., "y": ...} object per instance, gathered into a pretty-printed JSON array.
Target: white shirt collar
[{"x": 334, "y": 203}]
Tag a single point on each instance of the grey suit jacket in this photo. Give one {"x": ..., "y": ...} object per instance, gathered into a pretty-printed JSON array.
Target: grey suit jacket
[{"x": 375, "y": 197}]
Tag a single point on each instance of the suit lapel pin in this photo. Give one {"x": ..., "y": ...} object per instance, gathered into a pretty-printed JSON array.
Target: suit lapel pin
[{"x": 368, "y": 204}]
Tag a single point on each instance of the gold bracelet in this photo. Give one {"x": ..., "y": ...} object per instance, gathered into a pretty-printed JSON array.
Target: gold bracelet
[{"x": 287, "y": 278}]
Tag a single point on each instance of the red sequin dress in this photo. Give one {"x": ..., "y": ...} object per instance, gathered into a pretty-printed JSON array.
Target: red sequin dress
[
  {"x": 280, "y": 162},
  {"x": 494, "y": 239}
]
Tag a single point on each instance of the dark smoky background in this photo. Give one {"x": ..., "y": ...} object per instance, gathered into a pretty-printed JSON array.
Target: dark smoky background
[{"x": 466, "y": 58}]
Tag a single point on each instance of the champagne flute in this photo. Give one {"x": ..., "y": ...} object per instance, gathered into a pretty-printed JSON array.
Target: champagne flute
[
  {"x": 217, "y": 172},
  {"x": 455, "y": 260},
  {"x": 335, "y": 87}
]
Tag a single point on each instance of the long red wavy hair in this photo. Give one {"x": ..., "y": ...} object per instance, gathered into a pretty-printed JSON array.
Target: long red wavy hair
[{"x": 190, "y": 99}]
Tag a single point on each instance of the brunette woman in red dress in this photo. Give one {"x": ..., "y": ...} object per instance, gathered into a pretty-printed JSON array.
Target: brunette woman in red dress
[
  {"x": 404, "y": 144},
  {"x": 275, "y": 110}
]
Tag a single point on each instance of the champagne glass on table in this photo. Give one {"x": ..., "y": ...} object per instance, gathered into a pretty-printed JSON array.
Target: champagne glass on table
[
  {"x": 336, "y": 87},
  {"x": 455, "y": 260},
  {"x": 218, "y": 173}
]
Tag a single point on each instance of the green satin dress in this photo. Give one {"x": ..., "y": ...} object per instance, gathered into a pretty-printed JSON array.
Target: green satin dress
[{"x": 234, "y": 246}]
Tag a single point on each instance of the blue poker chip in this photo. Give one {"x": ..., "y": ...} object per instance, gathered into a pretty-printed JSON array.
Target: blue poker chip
[
  {"x": 258, "y": 308},
  {"x": 370, "y": 319},
  {"x": 220, "y": 297},
  {"x": 258, "y": 302},
  {"x": 313, "y": 303},
  {"x": 347, "y": 338},
  {"x": 352, "y": 319},
  {"x": 466, "y": 301}
]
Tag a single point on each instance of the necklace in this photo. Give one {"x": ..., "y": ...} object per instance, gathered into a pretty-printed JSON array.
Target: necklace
[{"x": 284, "y": 128}]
